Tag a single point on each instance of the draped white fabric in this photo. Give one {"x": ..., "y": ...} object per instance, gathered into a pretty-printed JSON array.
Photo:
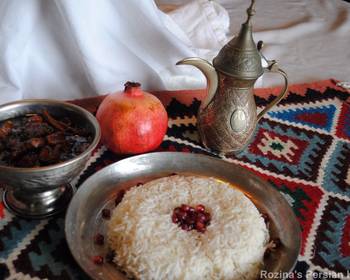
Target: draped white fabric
[{"x": 67, "y": 49}]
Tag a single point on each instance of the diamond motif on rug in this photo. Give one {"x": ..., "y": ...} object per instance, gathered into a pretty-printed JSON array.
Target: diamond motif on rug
[
  {"x": 331, "y": 248},
  {"x": 316, "y": 117},
  {"x": 279, "y": 147},
  {"x": 287, "y": 150},
  {"x": 337, "y": 172}
]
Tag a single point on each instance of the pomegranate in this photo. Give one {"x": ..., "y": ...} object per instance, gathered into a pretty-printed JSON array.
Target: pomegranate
[{"x": 132, "y": 121}]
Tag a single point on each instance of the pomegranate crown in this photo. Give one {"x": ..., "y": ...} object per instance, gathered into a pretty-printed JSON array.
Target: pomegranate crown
[{"x": 129, "y": 85}]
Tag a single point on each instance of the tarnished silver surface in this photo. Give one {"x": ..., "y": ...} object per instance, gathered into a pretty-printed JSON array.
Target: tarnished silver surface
[
  {"x": 83, "y": 218},
  {"x": 227, "y": 117},
  {"x": 35, "y": 192}
]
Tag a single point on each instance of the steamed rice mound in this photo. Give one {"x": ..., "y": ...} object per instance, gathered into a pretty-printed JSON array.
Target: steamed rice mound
[{"x": 149, "y": 245}]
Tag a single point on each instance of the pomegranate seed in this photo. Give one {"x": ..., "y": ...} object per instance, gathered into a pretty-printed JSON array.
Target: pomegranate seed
[
  {"x": 182, "y": 215},
  {"x": 207, "y": 216},
  {"x": 99, "y": 239},
  {"x": 177, "y": 210},
  {"x": 106, "y": 214},
  {"x": 185, "y": 207},
  {"x": 185, "y": 227},
  {"x": 200, "y": 227},
  {"x": 200, "y": 208},
  {"x": 97, "y": 259},
  {"x": 191, "y": 210},
  {"x": 175, "y": 218},
  {"x": 190, "y": 220},
  {"x": 201, "y": 217},
  {"x": 119, "y": 197}
]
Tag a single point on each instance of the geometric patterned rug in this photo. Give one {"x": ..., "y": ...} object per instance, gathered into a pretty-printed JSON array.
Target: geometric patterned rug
[{"x": 301, "y": 147}]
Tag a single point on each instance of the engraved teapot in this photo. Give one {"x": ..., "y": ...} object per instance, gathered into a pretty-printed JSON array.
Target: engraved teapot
[{"x": 228, "y": 115}]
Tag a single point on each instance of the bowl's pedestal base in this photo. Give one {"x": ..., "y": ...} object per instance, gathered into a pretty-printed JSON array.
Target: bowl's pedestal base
[{"x": 38, "y": 205}]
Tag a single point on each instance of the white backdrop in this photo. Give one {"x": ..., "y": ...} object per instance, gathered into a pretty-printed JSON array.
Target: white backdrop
[{"x": 72, "y": 49}]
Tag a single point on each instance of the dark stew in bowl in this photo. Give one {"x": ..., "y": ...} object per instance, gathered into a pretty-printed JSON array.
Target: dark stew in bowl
[{"x": 36, "y": 140}]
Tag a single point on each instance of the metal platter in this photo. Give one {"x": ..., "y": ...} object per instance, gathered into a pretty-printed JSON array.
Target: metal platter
[{"x": 83, "y": 218}]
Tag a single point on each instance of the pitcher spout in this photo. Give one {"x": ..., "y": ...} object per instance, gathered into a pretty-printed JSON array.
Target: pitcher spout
[{"x": 210, "y": 74}]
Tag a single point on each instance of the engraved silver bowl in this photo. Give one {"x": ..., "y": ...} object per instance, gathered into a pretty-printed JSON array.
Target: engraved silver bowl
[
  {"x": 83, "y": 217},
  {"x": 40, "y": 192}
]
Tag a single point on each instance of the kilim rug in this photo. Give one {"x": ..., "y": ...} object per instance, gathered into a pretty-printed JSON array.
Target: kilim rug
[{"x": 302, "y": 147}]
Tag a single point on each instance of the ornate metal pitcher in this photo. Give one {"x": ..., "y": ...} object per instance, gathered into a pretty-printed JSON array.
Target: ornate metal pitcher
[{"x": 227, "y": 117}]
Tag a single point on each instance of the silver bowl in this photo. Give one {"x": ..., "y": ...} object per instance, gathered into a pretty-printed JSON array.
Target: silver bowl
[
  {"x": 40, "y": 192},
  {"x": 83, "y": 217}
]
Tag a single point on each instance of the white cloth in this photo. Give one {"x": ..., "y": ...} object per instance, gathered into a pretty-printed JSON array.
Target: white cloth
[
  {"x": 72, "y": 49},
  {"x": 67, "y": 49}
]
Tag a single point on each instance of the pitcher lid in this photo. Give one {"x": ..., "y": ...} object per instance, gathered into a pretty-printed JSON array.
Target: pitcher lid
[{"x": 240, "y": 57}]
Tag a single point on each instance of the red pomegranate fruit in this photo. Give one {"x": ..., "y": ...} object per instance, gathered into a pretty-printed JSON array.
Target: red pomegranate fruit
[{"x": 132, "y": 121}]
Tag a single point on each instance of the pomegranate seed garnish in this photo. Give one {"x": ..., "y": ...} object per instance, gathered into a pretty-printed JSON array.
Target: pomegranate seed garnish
[
  {"x": 185, "y": 207},
  {"x": 185, "y": 227},
  {"x": 174, "y": 218},
  {"x": 207, "y": 216},
  {"x": 182, "y": 215},
  {"x": 201, "y": 217},
  {"x": 200, "y": 227},
  {"x": 97, "y": 259},
  {"x": 190, "y": 220},
  {"x": 200, "y": 208},
  {"x": 106, "y": 214},
  {"x": 188, "y": 217},
  {"x": 119, "y": 197},
  {"x": 99, "y": 239}
]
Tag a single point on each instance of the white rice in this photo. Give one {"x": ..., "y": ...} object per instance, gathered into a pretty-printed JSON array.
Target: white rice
[{"x": 149, "y": 245}]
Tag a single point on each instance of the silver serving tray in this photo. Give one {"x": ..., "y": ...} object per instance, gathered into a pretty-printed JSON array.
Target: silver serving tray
[{"x": 83, "y": 218}]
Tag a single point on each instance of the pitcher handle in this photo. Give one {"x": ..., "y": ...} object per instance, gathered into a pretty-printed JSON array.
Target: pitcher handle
[{"x": 273, "y": 68}]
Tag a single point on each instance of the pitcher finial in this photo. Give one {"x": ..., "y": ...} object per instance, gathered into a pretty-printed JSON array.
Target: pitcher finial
[{"x": 250, "y": 12}]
